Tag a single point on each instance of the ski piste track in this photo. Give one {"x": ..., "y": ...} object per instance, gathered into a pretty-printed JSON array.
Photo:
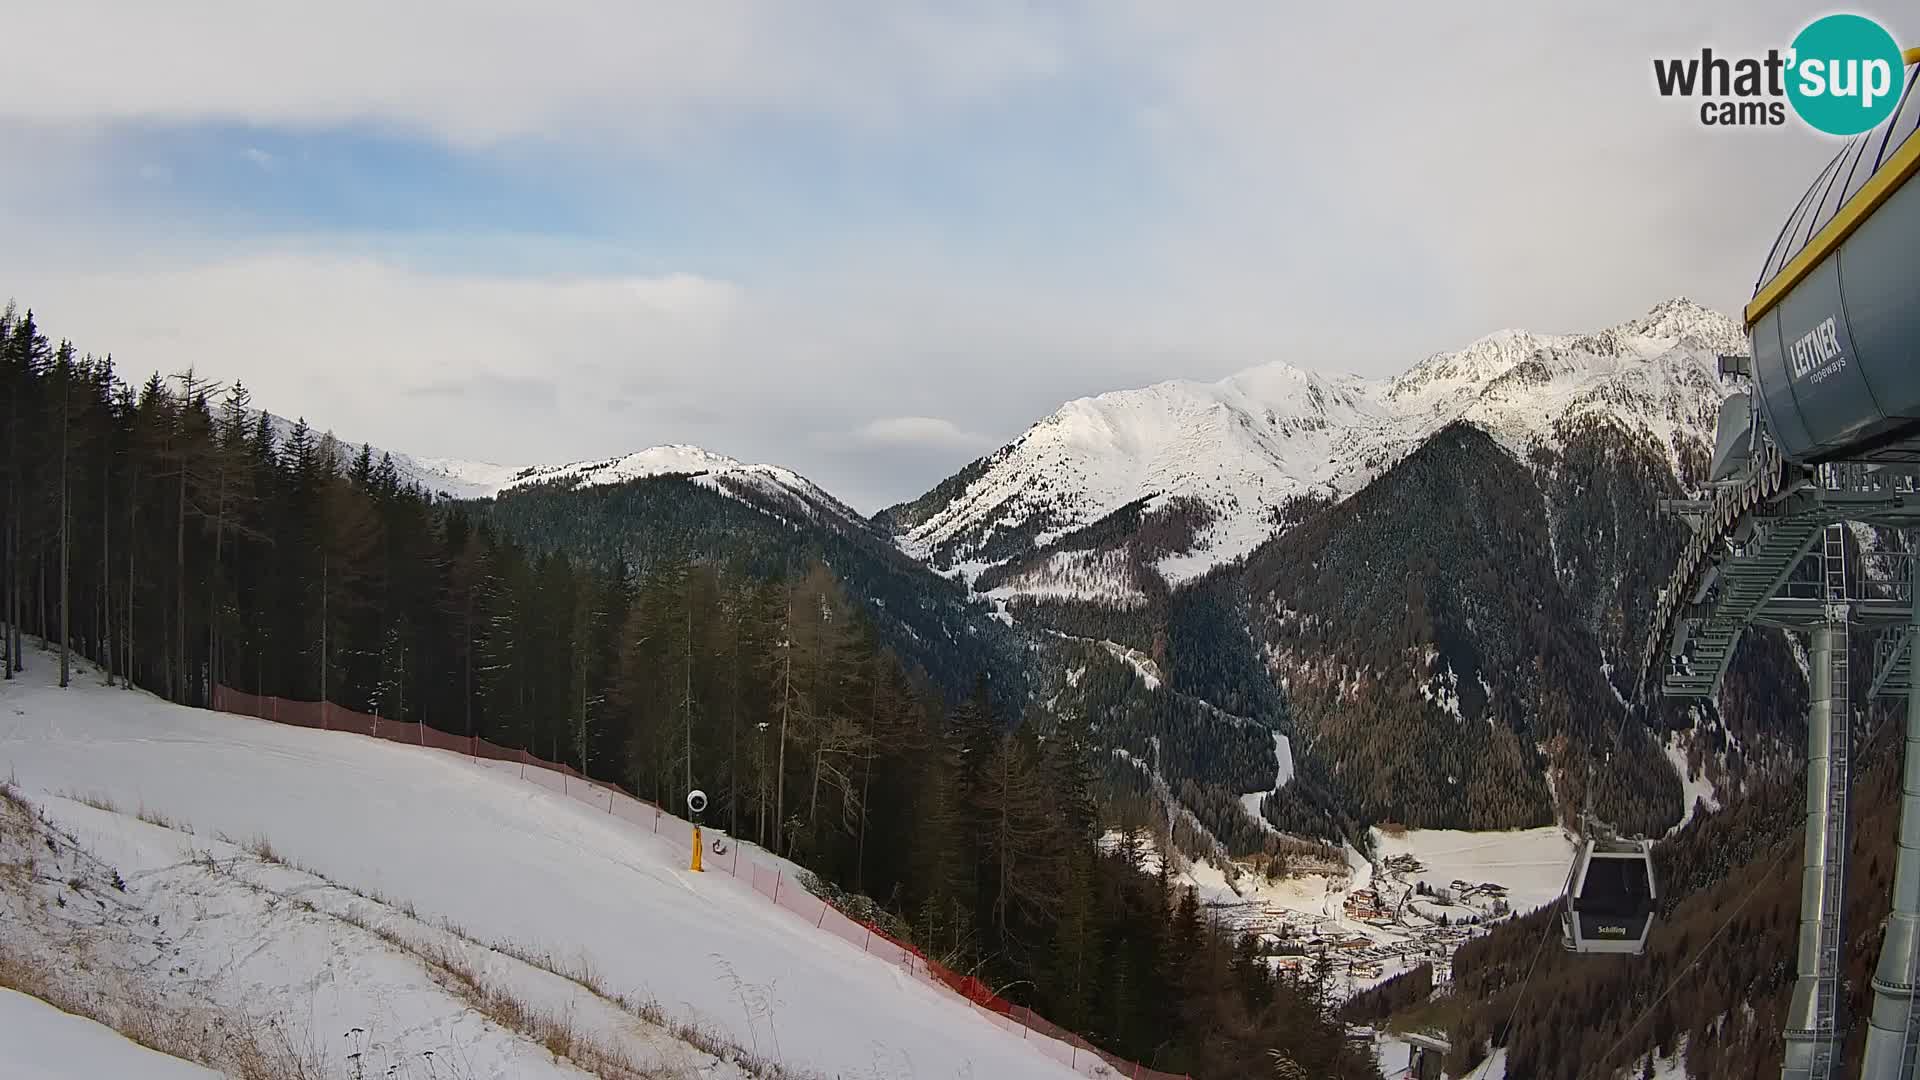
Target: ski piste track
[{"x": 771, "y": 882}]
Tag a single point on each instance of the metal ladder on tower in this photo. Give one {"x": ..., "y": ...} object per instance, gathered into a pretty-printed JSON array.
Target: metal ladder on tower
[{"x": 1833, "y": 899}]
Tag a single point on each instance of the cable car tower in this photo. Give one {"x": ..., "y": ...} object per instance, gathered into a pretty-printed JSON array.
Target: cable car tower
[{"x": 1825, "y": 433}]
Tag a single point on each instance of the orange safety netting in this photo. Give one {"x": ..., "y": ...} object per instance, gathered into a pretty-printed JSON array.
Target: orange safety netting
[{"x": 1047, "y": 1038}]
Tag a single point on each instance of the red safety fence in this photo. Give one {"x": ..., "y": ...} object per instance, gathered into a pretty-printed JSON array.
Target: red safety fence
[{"x": 1047, "y": 1038}]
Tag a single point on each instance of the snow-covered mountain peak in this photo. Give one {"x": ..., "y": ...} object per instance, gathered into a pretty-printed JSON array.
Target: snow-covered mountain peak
[
  {"x": 1279, "y": 392},
  {"x": 1680, "y": 319},
  {"x": 771, "y": 487},
  {"x": 673, "y": 459},
  {"x": 1232, "y": 453},
  {"x": 1445, "y": 374}
]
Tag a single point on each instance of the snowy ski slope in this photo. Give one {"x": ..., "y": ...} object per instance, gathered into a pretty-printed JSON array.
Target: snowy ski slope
[
  {"x": 39, "y": 1042},
  {"x": 507, "y": 861}
]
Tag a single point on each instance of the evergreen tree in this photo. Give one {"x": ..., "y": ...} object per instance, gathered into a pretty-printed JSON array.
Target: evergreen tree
[{"x": 185, "y": 547}]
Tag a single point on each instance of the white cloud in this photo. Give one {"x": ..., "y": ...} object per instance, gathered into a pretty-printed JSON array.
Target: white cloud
[
  {"x": 544, "y": 369},
  {"x": 479, "y": 71},
  {"x": 357, "y": 343},
  {"x": 922, "y": 432},
  {"x": 1505, "y": 164},
  {"x": 1346, "y": 186},
  {"x": 260, "y": 159}
]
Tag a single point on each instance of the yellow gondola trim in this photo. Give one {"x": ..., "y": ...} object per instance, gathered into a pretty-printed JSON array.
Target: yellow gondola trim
[{"x": 1887, "y": 180}]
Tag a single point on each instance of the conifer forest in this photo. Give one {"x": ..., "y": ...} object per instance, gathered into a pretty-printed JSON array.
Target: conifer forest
[{"x": 177, "y": 538}]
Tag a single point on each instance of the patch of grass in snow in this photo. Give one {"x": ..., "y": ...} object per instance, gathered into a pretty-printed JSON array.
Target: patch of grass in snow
[
  {"x": 449, "y": 967},
  {"x": 241, "y": 1046},
  {"x": 261, "y": 848},
  {"x": 98, "y": 802},
  {"x": 368, "y": 1058},
  {"x": 17, "y": 823},
  {"x": 756, "y": 1000},
  {"x": 155, "y": 817},
  {"x": 248, "y": 1049},
  {"x": 562, "y": 1038}
]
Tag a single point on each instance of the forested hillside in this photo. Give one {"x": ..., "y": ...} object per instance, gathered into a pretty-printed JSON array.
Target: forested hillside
[
  {"x": 165, "y": 533},
  {"x": 1446, "y": 635},
  {"x": 1445, "y": 572},
  {"x": 1714, "y": 985},
  {"x": 925, "y": 618}
]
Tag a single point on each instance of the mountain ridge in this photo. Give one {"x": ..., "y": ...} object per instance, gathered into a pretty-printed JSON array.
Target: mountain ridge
[
  {"x": 1244, "y": 446},
  {"x": 465, "y": 479},
  {"x": 1097, "y": 520}
]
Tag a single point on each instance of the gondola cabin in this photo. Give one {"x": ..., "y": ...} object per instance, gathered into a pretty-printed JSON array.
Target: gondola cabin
[{"x": 1610, "y": 898}]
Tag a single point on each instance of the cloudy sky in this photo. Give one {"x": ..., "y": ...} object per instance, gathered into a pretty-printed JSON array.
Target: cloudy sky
[{"x": 867, "y": 240}]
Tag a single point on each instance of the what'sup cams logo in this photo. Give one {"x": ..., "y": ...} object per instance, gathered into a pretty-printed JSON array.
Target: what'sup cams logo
[{"x": 1842, "y": 75}]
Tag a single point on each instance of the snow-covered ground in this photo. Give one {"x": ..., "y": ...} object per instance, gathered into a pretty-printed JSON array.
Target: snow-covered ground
[
  {"x": 1283, "y": 765},
  {"x": 39, "y": 1042},
  {"x": 506, "y": 861},
  {"x": 1531, "y": 864},
  {"x": 145, "y": 923},
  {"x": 1693, "y": 789},
  {"x": 1394, "y": 1055},
  {"x": 1141, "y": 663},
  {"x": 1102, "y": 575},
  {"x": 1307, "y": 910}
]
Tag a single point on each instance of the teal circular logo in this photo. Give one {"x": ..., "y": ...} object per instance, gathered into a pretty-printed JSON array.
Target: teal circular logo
[{"x": 1845, "y": 74}]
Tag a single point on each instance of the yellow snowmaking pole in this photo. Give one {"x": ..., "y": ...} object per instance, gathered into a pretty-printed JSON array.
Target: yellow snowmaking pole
[{"x": 696, "y": 849}]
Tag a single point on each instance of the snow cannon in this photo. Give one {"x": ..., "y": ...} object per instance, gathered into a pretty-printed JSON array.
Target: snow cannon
[{"x": 1835, "y": 317}]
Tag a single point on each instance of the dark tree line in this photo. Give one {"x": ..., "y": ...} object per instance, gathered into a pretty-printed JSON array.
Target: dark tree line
[
  {"x": 764, "y": 532},
  {"x": 180, "y": 540},
  {"x": 1438, "y": 635},
  {"x": 1409, "y": 989},
  {"x": 1736, "y": 873},
  {"x": 1468, "y": 623}
]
